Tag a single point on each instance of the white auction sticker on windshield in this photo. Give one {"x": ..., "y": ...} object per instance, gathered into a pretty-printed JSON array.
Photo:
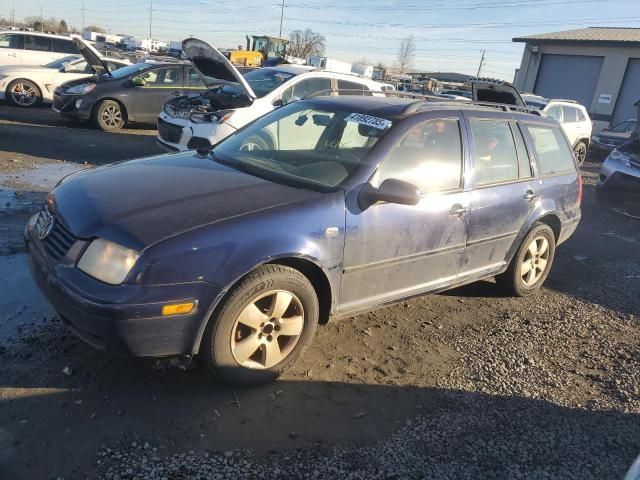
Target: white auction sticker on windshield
[{"x": 375, "y": 122}]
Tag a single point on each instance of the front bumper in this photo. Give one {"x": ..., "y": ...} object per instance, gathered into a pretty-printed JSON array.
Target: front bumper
[
  {"x": 179, "y": 134},
  {"x": 615, "y": 174},
  {"x": 122, "y": 318},
  {"x": 66, "y": 105}
]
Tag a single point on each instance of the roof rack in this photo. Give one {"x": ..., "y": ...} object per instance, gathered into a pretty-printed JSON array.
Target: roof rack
[{"x": 562, "y": 100}]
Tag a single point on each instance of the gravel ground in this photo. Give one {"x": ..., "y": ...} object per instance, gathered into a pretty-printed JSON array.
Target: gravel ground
[{"x": 465, "y": 384}]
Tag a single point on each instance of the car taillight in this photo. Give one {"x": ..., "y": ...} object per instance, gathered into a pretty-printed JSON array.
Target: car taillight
[{"x": 579, "y": 190}]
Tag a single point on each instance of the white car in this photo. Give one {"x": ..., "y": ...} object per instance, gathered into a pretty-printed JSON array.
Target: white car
[
  {"x": 27, "y": 86},
  {"x": 187, "y": 123},
  {"x": 574, "y": 120},
  {"x": 33, "y": 48}
]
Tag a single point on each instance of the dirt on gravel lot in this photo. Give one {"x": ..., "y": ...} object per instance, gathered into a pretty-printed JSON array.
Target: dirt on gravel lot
[{"x": 465, "y": 384}]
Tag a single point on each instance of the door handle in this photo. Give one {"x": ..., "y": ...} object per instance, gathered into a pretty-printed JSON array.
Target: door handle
[
  {"x": 530, "y": 196},
  {"x": 458, "y": 210},
  {"x": 12, "y": 55}
]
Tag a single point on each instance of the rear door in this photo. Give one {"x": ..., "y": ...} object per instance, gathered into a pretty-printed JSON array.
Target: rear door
[
  {"x": 11, "y": 47},
  {"x": 38, "y": 50},
  {"x": 505, "y": 191},
  {"x": 160, "y": 84}
]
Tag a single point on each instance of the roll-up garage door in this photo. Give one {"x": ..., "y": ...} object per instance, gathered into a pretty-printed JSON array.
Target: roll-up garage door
[
  {"x": 568, "y": 76},
  {"x": 629, "y": 93}
]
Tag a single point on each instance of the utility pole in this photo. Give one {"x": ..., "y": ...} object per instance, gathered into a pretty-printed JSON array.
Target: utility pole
[
  {"x": 41, "y": 20},
  {"x": 281, "y": 18},
  {"x": 13, "y": 15},
  {"x": 83, "y": 10},
  {"x": 481, "y": 63},
  {"x": 150, "y": 17}
]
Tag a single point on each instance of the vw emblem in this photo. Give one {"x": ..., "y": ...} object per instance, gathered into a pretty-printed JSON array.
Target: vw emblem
[{"x": 47, "y": 226}]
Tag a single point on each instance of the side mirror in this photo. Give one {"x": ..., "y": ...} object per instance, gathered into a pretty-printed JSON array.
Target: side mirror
[
  {"x": 389, "y": 191},
  {"x": 139, "y": 82}
]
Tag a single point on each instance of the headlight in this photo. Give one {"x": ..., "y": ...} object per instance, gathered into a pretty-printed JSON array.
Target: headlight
[
  {"x": 81, "y": 89},
  {"x": 218, "y": 117},
  {"x": 107, "y": 261},
  {"x": 618, "y": 156}
]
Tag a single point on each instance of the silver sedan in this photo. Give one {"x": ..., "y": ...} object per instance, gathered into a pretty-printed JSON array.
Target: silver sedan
[{"x": 621, "y": 168}]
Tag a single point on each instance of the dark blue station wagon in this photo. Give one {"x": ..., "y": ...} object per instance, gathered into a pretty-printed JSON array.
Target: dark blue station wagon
[{"x": 323, "y": 208}]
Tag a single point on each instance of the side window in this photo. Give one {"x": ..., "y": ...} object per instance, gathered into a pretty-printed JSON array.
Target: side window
[
  {"x": 496, "y": 157},
  {"x": 554, "y": 112},
  {"x": 114, "y": 66},
  {"x": 9, "y": 40},
  {"x": 552, "y": 149},
  {"x": 64, "y": 46},
  {"x": 581, "y": 116},
  {"x": 311, "y": 85},
  {"x": 524, "y": 165},
  {"x": 33, "y": 42},
  {"x": 162, "y": 77},
  {"x": 352, "y": 88},
  {"x": 569, "y": 114},
  {"x": 429, "y": 157},
  {"x": 194, "y": 79}
]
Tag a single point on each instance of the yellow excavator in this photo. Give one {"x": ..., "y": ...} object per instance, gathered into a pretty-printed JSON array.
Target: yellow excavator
[{"x": 263, "y": 48}]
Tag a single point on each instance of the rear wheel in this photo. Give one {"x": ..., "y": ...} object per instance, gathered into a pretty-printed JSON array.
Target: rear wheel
[
  {"x": 580, "y": 151},
  {"x": 531, "y": 264},
  {"x": 263, "y": 327},
  {"x": 108, "y": 116},
  {"x": 23, "y": 93}
]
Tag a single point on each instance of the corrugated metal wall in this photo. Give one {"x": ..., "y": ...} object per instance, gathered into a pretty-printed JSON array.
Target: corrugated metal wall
[
  {"x": 568, "y": 76},
  {"x": 629, "y": 93}
]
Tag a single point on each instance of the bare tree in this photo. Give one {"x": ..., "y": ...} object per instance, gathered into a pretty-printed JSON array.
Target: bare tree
[
  {"x": 305, "y": 43},
  {"x": 94, "y": 28},
  {"x": 406, "y": 53}
]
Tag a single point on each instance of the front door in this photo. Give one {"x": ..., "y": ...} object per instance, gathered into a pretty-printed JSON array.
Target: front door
[
  {"x": 504, "y": 196},
  {"x": 11, "y": 46},
  {"x": 158, "y": 86},
  {"x": 393, "y": 251}
]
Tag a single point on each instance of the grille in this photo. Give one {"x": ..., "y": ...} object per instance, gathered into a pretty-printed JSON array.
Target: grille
[
  {"x": 169, "y": 131},
  {"x": 59, "y": 240}
]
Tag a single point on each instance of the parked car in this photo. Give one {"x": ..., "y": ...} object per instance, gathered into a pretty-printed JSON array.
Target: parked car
[
  {"x": 453, "y": 97},
  {"x": 621, "y": 168},
  {"x": 575, "y": 122},
  {"x": 613, "y": 137},
  {"x": 236, "y": 100},
  {"x": 238, "y": 254},
  {"x": 25, "y": 86},
  {"x": 134, "y": 93},
  {"x": 534, "y": 101},
  {"x": 457, "y": 93},
  {"x": 32, "y": 48}
]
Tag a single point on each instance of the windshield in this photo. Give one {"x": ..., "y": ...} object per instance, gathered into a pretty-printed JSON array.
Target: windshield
[
  {"x": 302, "y": 144},
  {"x": 61, "y": 61},
  {"x": 129, "y": 70},
  {"x": 624, "y": 127},
  {"x": 261, "y": 81}
]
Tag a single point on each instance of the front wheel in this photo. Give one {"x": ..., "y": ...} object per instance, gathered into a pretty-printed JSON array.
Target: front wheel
[
  {"x": 580, "y": 151},
  {"x": 108, "y": 116},
  {"x": 262, "y": 328},
  {"x": 531, "y": 264},
  {"x": 23, "y": 93}
]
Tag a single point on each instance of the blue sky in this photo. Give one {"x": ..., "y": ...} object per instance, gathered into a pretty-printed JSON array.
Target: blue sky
[{"x": 449, "y": 34}]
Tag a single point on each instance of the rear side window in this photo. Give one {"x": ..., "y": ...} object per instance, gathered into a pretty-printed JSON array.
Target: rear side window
[
  {"x": 64, "y": 46},
  {"x": 496, "y": 155},
  {"x": 40, "y": 44},
  {"x": 581, "y": 116},
  {"x": 9, "y": 40},
  {"x": 569, "y": 114},
  {"x": 352, "y": 88},
  {"x": 552, "y": 149},
  {"x": 429, "y": 157},
  {"x": 311, "y": 85},
  {"x": 554, "y": 112}
]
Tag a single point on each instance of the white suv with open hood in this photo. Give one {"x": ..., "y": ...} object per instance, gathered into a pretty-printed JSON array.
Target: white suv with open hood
[{"x": 234, "y": 100}]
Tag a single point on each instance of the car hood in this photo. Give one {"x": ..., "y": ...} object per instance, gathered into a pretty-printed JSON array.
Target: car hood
[
  {"x": 495, "y": 91},
  {"x": 614, "y": 135},
  {"x": 141, "y": 202},
  {"x": 211, "y": 63},
  {"x": 91, "y": 55}
]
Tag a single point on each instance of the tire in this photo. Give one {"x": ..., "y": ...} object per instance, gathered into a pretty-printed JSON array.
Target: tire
[
  {"x": 108, "y": 116},
  {"x": 23, "y": 93},
  {"x": 258, "y": 141},
  {"x": 259, "y": 299},
  {"x": 580, "y": 151},
  {"x": 513, "y": 280}
]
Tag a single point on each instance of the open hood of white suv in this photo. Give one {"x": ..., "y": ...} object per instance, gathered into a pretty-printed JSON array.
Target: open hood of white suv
[
  {"x": 212, "y": 64},
  {"x": 495, "y": 91}
]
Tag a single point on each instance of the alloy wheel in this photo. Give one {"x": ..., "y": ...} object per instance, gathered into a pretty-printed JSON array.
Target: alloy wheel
[
  {"x": 24, "y": 94},
  {"x": 250, "y": 146},
  {"x": 581, "y": 153},
  {"x": 535, "y": 261},
  {"x": 267, "y": 329},
  {"x": 111, "y": 116}
]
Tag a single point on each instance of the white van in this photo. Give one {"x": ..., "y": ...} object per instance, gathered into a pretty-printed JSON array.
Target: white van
[{"x": 32, "y": 48}]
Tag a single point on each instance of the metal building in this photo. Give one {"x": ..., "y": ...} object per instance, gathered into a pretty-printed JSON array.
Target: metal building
[{"x": 598, "y": 67}]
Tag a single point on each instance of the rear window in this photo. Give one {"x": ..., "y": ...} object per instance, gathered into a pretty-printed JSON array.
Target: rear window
[
  {"x": 40, "y": 44},
  {"x": 570, "y": 114},
  {"x": 64, "y": 46},
  {"x": 552, "y": 149},
  {"x": 352, "y": 88}
]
